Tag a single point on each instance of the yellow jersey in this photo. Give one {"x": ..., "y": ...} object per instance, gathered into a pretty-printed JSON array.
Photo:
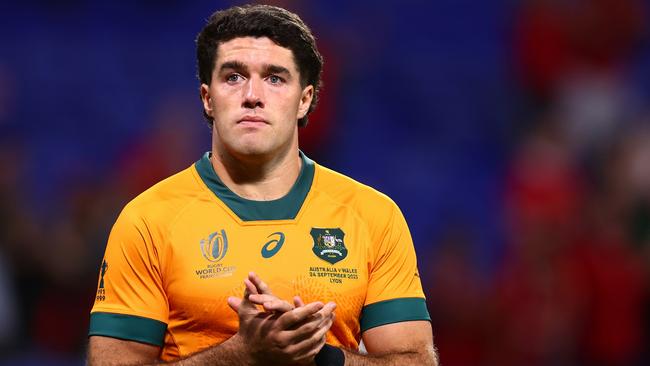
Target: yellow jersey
[{"x": 181, "y": 248}]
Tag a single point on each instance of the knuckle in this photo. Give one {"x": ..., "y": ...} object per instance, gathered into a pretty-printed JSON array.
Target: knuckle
[
  {"x": 313, "y": 327},
  {"x": 293, "y": 317},
  {"x": 314, "y": 351},
  {"x": 290, "y": 350},
  {"x": 281, "y": 343}
]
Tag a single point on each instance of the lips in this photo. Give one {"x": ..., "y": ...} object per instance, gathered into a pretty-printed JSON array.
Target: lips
[{"x": 252, "y": 119}]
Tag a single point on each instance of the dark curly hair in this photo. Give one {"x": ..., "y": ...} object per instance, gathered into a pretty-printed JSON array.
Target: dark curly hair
[{"x": 281, "y": 26}]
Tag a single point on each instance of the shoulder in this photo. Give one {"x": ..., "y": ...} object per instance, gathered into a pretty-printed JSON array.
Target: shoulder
[
  {"x": 363, "y": 199},
  {"x": 164, "y": 200}
]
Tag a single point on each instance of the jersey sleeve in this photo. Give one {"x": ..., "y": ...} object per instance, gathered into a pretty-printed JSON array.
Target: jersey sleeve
[
  {"x": 130, "y": 303},
  {"x": 394, "y": 289}
]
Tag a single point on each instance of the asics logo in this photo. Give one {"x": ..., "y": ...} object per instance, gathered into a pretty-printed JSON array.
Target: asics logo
[{"x": 274, "y": 245}]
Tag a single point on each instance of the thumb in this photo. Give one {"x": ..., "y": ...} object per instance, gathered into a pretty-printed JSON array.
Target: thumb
[
  {"x": 234, "y": 303},
  {"x": 243, "y": 304}
]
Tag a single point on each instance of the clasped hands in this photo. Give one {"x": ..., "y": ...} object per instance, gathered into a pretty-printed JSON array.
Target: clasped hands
[{"x": 277, "y": 332}]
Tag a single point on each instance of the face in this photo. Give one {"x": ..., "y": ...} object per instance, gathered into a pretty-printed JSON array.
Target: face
[{"x": 255, "y": 98}]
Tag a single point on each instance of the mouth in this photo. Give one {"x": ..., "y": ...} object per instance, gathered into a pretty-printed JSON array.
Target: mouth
[{"x": 253, "y": 120}]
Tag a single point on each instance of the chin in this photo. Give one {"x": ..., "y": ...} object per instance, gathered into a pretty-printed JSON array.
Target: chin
[{"x": 252, "y": 150}]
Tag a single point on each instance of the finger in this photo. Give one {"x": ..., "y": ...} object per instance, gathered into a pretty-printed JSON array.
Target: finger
[
  {"x": 298, "y": 315},
  {"x": 305, "y": 329},
  {"x": 311, "y": 324},
  {"x": 244, "y": 303},
  {"x": 278, "y": 306},
  {"x": 297, "y": 301},
  {"x": 308, "y": 325},
  {"x": 309, "y": 346},
  {"x": 327, "y": 312},
  {"x": 234, "y": 303},
  {"x": 250, "y": 287},
  {"x": 328, "y": 309},
  {"x": 271, "y": 303},
  {"x": 260, "y": 299},
  {"x": 261, "y": 286}
]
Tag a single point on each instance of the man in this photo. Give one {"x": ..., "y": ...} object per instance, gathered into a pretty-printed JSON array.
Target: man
[{"x": 181, "y": 254}]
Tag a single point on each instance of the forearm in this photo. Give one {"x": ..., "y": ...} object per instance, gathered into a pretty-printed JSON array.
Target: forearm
[
  {"x": 104, "y": 351},
  {"x": 425, "y": 358},
  {"x": 229, "y": 353}
]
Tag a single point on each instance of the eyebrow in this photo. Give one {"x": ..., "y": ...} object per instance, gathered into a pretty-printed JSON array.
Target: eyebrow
[
  {"x": 276, "y": 69},
  {"x": 243, "y": 68},
  {"x": 234, "y": 65}
]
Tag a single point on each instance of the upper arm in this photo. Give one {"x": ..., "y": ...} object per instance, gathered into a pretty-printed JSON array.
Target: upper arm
[
  {"x": 409, "y": 336},
  {"x": 113, "y": 351},
  {"x": 394, "y": 293},
  {"x": 131, "y": 303},
  {"x": 394, "y": 318}
]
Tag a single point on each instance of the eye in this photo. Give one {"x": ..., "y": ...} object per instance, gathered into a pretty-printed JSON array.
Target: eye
[
  {"x": 233, "y": 78},
  {"x": 274, "y": 79}
]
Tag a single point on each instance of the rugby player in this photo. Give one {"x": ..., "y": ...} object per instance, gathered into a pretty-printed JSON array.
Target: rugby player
[{"x": 255, "y": 254}]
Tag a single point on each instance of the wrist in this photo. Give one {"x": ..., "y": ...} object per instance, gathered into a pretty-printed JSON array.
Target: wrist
[
  {"x": 330, "y": 356},
  {"x": 239, "y": 346}
]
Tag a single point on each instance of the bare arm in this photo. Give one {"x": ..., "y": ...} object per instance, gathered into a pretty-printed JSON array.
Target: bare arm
[
  {"x": 404, "y": 343},
  {"x": 103, "y": 351},
  {"x": 113, "y": 351},
  {"x": 288, "y": 336}
]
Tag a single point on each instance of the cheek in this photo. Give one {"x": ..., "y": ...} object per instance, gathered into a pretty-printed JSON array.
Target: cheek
[
  {"x": 224, "y": 102},
  {"x": 288, "y": 102}
]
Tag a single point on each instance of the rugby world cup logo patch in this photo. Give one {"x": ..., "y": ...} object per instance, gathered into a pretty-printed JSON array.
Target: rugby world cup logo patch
[
  {"x": 215, "y": 246},
  {"x": 328, "y": 244}
]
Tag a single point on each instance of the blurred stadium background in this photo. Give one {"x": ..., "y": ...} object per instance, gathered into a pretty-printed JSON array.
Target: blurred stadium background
[{"x": 515, "y": 136}]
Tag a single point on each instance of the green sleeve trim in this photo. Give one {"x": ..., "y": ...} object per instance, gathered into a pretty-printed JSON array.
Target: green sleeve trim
[
  {"x": 128, "y": 327},
  {"x": 393, "y": 311}
]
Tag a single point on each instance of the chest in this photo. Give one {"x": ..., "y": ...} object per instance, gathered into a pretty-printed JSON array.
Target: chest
[{"x": 323, "y": 256}]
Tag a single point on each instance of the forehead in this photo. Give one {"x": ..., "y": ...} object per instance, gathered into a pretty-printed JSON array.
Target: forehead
[{"x": 252, "y": 51}]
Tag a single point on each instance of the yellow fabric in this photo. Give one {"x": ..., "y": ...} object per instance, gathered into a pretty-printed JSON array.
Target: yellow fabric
[{"x": 158, "y": 268}]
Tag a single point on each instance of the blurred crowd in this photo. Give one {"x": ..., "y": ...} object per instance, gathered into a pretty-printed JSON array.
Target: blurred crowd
[
  {"x": 571, "y": 282},
  {"x": 49, "y": 260},
  {"x": 572, "y": 286}
]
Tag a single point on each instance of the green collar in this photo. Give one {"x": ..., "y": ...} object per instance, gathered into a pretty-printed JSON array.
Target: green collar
[{"x": 285, "y": 208}]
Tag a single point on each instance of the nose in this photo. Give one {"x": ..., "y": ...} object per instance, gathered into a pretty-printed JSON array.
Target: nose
[{"x": 253, "y": 94}]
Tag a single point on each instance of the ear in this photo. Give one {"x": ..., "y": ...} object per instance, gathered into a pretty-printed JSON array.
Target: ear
[
  {"x": 305, "y": 101},
  {"x": 204, "y": 90}
]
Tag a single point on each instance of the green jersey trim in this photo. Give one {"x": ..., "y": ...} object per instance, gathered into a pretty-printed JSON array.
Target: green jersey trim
[
  {"x": 393, "y": 311},
  {"x": 128, "y": 327},
  {"x": 285, "y": 208}
]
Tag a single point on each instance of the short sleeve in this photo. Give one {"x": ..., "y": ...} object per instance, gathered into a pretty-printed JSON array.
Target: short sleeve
[
  {"x": 130, "y": 303},
  {"x": 394, "y": 289}
]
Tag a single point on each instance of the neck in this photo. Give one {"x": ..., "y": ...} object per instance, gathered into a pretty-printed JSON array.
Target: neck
[{"x": 259, "y": 178}]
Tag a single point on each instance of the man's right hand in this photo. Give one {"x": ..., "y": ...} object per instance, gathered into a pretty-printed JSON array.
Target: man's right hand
[{"x": 287, "y": 334}]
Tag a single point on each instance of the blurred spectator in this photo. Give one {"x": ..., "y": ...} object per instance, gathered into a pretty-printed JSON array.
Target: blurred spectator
[
  {"x": 175, "y": 138},
  {"x": 621, "y": 215},
  {"x": 540, "y": 287},
  {"x": 457, "y": 298},
  {"x": 555, "y": 39},
  {"x": 612, "y": 328},
  {"x": 8, "y": 311},
  {"x": 593, "y": 107},
  {"x": 19, "y": 246}
]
